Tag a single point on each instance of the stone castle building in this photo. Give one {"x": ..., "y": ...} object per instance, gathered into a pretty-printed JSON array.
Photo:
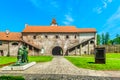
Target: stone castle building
[{"x": 49, "y": 40}]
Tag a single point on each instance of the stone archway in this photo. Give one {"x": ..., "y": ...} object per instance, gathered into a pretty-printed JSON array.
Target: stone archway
[{"x": 57, "y": 51}]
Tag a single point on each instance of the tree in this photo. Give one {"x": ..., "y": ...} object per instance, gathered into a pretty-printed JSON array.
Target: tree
[
  {"x": 117, "y": 39},
  {"x": 110, "y": 42},
  {"x": 103, "y": 39},
  {"x": 98, "y": 39},
  {"x": 106, "y": 38}
]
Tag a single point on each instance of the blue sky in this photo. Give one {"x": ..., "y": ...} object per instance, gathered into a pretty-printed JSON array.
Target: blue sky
[{"x": 104, "y": 15}]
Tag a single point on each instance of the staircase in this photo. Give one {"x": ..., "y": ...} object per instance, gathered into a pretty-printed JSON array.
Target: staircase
[
  {"x": 31, "y": 44},
  {"x": 72, "y": 47}
]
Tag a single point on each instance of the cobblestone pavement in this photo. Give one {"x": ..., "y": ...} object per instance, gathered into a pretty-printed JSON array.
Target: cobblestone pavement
[{"x": 60, "y": 65}]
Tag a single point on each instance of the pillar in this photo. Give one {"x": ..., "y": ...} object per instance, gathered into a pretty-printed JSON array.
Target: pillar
[
  {"x": 63, "y": 53},
  {"x": 68, "y": 52},
  {"x": 8, "y": 53},
  {"x": 27, "y": 46},
  {"x": 33, "y": 53},
  {"x": 75, "y": 50},
  {"x": 80, "y": 51},
  {"x": 88, "y": 47}
]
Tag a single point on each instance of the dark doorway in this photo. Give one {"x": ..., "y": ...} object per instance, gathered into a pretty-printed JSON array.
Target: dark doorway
[
  {"x": 1, "y": 53},
  {"x": 57, "y": 50}
]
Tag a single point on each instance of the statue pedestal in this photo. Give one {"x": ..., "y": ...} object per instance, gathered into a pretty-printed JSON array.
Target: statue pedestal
[{"x": 19, "y": 68}]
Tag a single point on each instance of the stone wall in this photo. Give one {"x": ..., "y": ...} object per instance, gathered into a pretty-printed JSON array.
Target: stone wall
[
  {"x": 48, "y": 41},
  {"x": 13, "y": 49}
]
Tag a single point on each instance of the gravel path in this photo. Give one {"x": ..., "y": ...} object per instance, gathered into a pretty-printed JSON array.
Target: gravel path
[{"x": 60, "y": 65}]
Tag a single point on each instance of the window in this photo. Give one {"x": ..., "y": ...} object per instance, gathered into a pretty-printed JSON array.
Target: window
[
  {"x": 46, "y": 36},
  {"x": 57, "y": 36},
  {"x": 91, "y": 42},
  {"x": 34, "y": 37},
  {"x": 0, "y": 42},
  {"x": 30, "y": 47},
  {"x": 15, "y": 43},
  {"x": 67, "y": 36},
  {"x": 75, "y": 36}
]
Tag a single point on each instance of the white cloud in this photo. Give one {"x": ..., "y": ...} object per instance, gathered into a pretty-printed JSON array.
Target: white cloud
[
  {"x": 54, "y": 4},
  {"x": 66, "y": 22},
  {"x": 68, "y": 19},
  {"x": 104, "y": 3},
  {"x": 35, "y": 3},
  {"x": 45, "y": 4},
  {"x": 98, "y": 10},
  {"x": 109, "y": 1},
  {"x": 112, "y": 25}
]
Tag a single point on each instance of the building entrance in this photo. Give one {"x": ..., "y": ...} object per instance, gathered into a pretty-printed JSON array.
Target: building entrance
[{"x": 57, "y": 50}]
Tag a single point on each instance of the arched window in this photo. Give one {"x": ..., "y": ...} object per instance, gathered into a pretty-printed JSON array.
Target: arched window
[
  {"x": 15, "y": 43},
  {"x": 91, "y": 42}
]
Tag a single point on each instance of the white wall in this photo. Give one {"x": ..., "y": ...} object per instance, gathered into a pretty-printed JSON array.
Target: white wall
[{"x": 85, "y": 36}]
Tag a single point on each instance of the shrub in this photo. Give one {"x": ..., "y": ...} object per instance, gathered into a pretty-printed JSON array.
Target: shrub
[{"x": 11, "y": 78}]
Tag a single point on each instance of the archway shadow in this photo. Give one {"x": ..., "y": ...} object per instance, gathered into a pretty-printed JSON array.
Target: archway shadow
[{"x": 57, "y": 51}]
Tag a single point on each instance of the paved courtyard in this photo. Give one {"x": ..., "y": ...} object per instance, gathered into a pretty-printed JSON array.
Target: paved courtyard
[{"x": 59, "y": 65}]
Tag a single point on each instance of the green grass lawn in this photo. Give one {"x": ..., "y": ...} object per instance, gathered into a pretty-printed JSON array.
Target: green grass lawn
[
  {"x": 40, "y": 58},
  {"x": 112, "y": 62},
  {"x": 6, "y": 60}
]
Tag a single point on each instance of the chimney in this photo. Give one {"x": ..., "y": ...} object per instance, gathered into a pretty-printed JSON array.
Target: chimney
[
  {"x": 26, "y": 25},
  {"x": 53, "y": 23},
  {"x": 7, "y": 32}
]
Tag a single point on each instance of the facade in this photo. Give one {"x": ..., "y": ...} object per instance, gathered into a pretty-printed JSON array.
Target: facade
[{"x": 50, "y": 40}]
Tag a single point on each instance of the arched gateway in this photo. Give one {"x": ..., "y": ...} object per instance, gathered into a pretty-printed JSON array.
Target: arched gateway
[{"x": 57, "y": 51}]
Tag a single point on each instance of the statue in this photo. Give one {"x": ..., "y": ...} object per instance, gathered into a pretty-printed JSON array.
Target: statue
[
  {"x": 25, "y": 54},
  {"x": 19, "y": 56},
  {"x": 22, "y": 56}
]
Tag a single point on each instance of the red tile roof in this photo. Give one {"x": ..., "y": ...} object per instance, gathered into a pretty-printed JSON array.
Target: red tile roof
[
  {"x": 57, "y": 29},
  {"x": 82, "y": 30},
  {"x": 12, "y": 36}
]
